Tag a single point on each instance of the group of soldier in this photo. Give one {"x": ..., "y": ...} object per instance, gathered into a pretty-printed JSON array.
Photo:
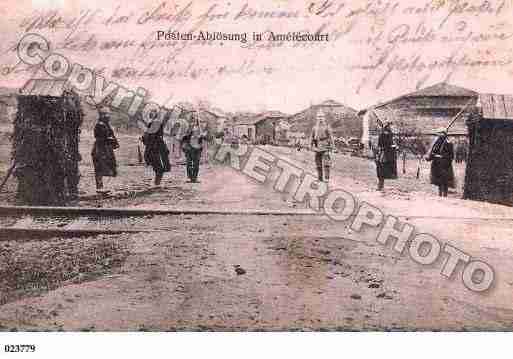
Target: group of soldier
[
  {"x": 440, "y": 154},
  {"x": 156, "y": 152}
]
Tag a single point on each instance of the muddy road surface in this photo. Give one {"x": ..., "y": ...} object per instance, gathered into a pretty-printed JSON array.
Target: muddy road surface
[{"x": 247, "y": 272}]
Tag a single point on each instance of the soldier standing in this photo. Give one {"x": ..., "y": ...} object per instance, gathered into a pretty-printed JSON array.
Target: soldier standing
[
  {"x": 441, "y": 156},
  {"x": 386, "y": 156},
  {"x": 104, "y": 159},
  {"x": 322, "y": 143},
  {"x": 156, "y": 153},
  {"x": 192, "y": 145}
]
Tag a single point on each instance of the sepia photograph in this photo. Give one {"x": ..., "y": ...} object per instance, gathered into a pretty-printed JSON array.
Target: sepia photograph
[{"x": 286, "y": 166}]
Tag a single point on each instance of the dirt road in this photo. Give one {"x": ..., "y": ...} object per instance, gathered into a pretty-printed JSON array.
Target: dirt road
[{"x": 279, "y": 273}]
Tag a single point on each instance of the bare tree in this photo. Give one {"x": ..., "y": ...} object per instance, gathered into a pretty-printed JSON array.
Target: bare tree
[{"x": 410, "y": 140}]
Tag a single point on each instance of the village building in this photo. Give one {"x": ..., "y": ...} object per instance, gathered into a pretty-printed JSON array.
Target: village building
[
  {"x": 217, "y": 123},
  {"x": 342, "y": 119},
  {"x": 264, "y": 128},
  {"x": 282, "y": 132},
  {"x": 424, "y": 110},
  {"x": 244, "y": 127},
  {"x": 267, "y": 126},
  {"x": 489, "y": 171},
  {"x": 214, "y": 120}
]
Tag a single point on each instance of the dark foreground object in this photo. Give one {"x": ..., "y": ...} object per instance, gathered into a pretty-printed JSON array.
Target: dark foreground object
[
  {"x": 489, "y": 172},
  {"x": 45, "y": 148}
]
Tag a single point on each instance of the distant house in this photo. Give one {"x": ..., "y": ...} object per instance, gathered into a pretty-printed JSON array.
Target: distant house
[
  {"x": 425, "y": 110},
  {"x": 489, "y": 172},
  {"x": 214, "y": 120},
  {"x": 218, "y": 124},
  {"x": 343, "y": 120},
  {"x": 245, "y": 126},
  {"x": 267, "y": 127},
  {"x": 282, "y": 131}
]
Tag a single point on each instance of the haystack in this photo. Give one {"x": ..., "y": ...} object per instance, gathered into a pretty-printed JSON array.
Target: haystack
[
  {"x": 45, "y": 148},
  {"x": 489, "y": 172}
]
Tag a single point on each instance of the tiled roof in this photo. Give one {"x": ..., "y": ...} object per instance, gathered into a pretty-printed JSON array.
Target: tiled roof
[
  {"x": 439, "y": 90},
  {"x": 443, "y": 89}
]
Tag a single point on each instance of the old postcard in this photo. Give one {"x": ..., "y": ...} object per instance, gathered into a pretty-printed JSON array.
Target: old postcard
[{"x": 244, "y": 166}]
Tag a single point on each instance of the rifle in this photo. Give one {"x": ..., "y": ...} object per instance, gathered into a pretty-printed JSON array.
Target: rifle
[
  {"x": 449, "y": 126},
  {"x": 380, "y": 123},
  {"x": 199, "y": 122},
  {"x": 198, "y": 119},
  {"x": 379, "y": 154},
  {"x": 458, "y": 115}
]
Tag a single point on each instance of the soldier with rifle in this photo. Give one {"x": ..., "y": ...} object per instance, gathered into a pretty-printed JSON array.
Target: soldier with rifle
[
  {"x": 192, "y": 145},
  {"x": 441, "y": 156},
  {"x": 104, "y": 159},
  {"x": 156, "y": 153},
  {"x": 386, "y": 155},
  {"x": 322, "y": 143}
]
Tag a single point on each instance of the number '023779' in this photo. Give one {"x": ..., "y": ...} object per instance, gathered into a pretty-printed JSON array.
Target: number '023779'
[{"x": 20, "y": 348}]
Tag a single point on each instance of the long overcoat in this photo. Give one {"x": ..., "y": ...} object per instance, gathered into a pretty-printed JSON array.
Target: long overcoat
[
  {"x": 386, "y": 156},
  {"x": 156, "y": 152},
  {"x": 442, "y": 172},
  {"x": 104, "y": 159}
]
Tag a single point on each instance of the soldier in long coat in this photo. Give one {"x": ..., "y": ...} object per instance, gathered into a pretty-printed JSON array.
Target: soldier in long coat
[
  {"x": 156, "y": 152},
  {"x": 386, "y": 156},
  {"x": 104, "y": 159},
  {"x": 322, "y": 142},
  {"x": 441, "y": 156}
]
